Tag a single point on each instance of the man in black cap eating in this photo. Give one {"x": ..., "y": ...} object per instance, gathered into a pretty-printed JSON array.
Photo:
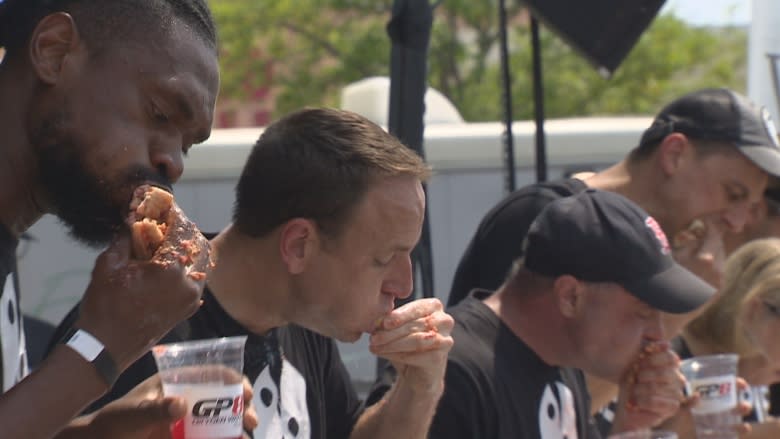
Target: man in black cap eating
[
  {"x": 704, "y": 161},
  {"x": 587, "y": 296}
]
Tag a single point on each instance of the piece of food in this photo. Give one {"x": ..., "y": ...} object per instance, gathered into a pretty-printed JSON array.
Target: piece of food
[
  {"x": 151, "y": 208},
  {"x": 694, "y": 232},
  {"x": 161, "y": 232}
]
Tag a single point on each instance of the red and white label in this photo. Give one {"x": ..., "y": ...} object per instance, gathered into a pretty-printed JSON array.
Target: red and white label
[
  {"x": 653, "y": 225},
  {"x": 213, "y": 410}
]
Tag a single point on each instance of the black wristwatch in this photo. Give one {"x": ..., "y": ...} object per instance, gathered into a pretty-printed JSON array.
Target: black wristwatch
[{"x": 92, "y": 350}]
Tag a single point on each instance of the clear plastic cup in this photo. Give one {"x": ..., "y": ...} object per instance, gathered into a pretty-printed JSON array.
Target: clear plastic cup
[
  {"x": 714, "y": 379},
  {"x": 208, "y": 375},
  {"x": 645, "y": 434}
]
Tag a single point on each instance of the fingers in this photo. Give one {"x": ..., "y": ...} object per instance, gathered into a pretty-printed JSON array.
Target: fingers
[
  {"x": 416, "y": 339},
  {"x": 417, "y": 359},
  {"x": 652, "y": 389},
  {"x": 145, "y": 416},
  {"x": 414, "y": 342},
  {"x": 743, "y": 408},
  {"x": 413, "y": 331},
  {"x": 700, "y": 248},
  {"x": 250, "y": 414},
  {"x": 437, "y": 322},
  {"x": 410, "y": 312}
]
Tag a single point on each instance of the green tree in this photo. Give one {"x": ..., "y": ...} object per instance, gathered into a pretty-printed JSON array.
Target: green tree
[{"x": 307, "y": 50}]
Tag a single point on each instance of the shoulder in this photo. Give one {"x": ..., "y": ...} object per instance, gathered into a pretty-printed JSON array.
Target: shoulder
[
  {"x": 475, "y": 333},
  {"x": 524, "y": 204}
]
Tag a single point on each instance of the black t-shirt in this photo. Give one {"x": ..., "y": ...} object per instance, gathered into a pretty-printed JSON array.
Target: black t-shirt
[
  {"x": 498, "y": 240},
  {"x": 497, "y": 387},
  {"x": 13, "y": 364},
  {"x": 317, "y": 397}
]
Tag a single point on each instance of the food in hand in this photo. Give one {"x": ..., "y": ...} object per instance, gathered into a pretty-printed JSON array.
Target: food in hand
[
  {"x": 161, "y": 232},
  {"x": 694, "y": 232}
]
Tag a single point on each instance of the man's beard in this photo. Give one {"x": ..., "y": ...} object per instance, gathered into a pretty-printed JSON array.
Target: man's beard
[{"x": 93, "y": 208}]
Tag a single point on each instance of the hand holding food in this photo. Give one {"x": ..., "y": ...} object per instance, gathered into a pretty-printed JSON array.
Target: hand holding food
[
  {"x": 161, "y": 232},
  {"x": 700, "y": 249},
  {"x": 416, "y": 339},
  {"x": 148, "y": 281}
]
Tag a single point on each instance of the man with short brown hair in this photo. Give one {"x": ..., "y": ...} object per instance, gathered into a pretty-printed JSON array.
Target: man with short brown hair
[{"x": 328, "y": 209}]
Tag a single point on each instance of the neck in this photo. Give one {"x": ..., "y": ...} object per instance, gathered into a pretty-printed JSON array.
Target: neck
[
  {"x": 532, "y": 321},
  {"x": 247, "y": 281},
  {"x": 19, "y": 188}
]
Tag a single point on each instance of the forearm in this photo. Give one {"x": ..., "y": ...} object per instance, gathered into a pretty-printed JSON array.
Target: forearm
[
  {"x": 47, "y": 400},
  {"x": 404, "y": 412}
]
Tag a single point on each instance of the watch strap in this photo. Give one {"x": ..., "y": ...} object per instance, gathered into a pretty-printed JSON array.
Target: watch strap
[{"x": 92, "y": 350}]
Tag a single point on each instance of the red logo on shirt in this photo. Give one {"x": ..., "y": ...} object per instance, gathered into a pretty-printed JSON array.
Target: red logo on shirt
[{"x": 653, "y": 225}]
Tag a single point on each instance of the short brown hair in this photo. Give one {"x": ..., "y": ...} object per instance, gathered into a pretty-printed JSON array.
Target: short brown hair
[{"x": 317, "y": 163}]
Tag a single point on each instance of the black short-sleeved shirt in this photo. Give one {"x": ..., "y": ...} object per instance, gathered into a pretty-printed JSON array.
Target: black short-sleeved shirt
[
  {"x": 13, "y": 366},
  {"x": 318, "y": 400},
  {"x": 496, "y": 387},
  {"x": 498, "y": 240}
]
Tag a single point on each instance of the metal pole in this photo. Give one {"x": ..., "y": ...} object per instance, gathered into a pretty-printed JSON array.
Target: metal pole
[
  {"x": 508, "y": 140},
  {"x": 541, "y": 154}
]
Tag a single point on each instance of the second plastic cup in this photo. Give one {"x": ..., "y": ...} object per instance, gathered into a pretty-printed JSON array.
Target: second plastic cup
[
  {"x": 208, "y": 375},
  {"x": 713, "y": 378}
]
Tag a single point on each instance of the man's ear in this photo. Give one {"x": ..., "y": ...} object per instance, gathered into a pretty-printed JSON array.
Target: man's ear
[
  {"x": 569, "y": 294},
  {"x": 298, "y": 240},
  {"x": 53, "y": 38},
  {"x": 672, "y": 152}
]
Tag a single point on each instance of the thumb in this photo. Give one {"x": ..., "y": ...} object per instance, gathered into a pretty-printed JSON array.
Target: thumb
[
  {"x": 168, "y": 409},
  {"x": 122, "y": 421},
  {"x": 151, "y": 412}
]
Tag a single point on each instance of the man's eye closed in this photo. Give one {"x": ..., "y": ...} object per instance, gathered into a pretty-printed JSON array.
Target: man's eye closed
[
  {"x": 158, "y": 115},
  {"x": 383, "y": 262}
]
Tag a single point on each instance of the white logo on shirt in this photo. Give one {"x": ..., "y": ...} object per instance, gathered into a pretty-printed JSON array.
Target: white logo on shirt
[
  {"x": 288, "y": 419},
  {"x": 11, "y": 337},
  {"x": 557, "y": 417}
]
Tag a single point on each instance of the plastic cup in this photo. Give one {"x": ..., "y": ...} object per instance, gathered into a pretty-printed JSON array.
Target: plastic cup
[
  {"x": 713, "y": 378},
  {"x": 208, "y": 375},
  {"x": 645, "y": 434}
]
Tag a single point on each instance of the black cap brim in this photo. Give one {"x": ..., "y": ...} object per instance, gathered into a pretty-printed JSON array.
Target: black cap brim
[
  {"x": 674, "y": 290},
  {"x": 765, "y": 157}
]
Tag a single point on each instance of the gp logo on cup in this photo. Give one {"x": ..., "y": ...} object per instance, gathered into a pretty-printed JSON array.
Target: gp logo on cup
[
  {"x": 715, "y": 394},
  {"x": 714, "y": 391},
  {"x": 214, "y": 407}
]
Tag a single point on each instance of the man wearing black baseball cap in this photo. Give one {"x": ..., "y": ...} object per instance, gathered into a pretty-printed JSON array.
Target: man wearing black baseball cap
[
  {"x": 721, "y": 115},
  {"x": 588, "y": 296},
  {"x": 705, "y": 157}
]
